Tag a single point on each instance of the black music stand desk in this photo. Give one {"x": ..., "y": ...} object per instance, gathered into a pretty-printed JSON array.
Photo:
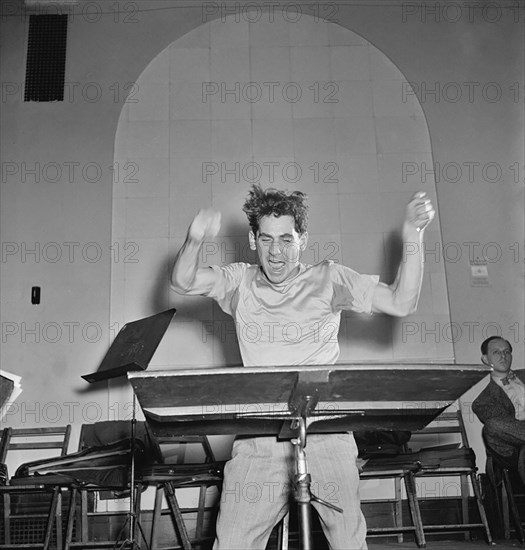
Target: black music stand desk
[{"x": 291, "y": 401}]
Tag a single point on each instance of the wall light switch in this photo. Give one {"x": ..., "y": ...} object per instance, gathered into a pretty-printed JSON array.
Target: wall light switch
[{"x": 35, "y": 295}]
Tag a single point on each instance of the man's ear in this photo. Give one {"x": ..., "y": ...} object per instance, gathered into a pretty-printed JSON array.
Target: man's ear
[
  {"x": 303, "y": 241},
  {"x": 485, "y": 361},
  {"x": 251, "y": 238}
]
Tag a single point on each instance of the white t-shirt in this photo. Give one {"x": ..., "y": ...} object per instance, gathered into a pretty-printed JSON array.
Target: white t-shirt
[{"x": 295, "y": 322}]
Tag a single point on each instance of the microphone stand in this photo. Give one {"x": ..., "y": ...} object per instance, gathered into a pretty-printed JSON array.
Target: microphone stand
[{"x": 302, "y": 480}]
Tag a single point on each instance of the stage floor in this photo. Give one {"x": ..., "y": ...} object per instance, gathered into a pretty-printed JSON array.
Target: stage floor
[
  {"x": 385, "y": 543},
  {"x": 511, "y": 544}
]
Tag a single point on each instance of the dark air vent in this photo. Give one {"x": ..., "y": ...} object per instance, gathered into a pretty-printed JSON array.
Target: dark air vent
[{"x": 46, "y": 58}]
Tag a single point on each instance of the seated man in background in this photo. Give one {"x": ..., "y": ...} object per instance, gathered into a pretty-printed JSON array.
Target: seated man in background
[{"x": 501, "y": 405}]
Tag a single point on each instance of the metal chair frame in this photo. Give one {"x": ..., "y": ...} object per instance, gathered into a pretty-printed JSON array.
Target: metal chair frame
[
  {"x": 500, "y": 476},
  {"x": 34, "y": 439},
  {"x": 451, "y": 422}
]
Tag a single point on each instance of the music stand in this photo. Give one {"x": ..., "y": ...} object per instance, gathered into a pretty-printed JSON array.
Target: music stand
[
  {"x": 132, "y": 350},
  {"x": 290, "y": 402}
]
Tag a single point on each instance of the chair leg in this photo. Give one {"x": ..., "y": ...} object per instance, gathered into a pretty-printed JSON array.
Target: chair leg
[
  {"x": 464, "y": 504},
  {"x": 481, "y": 508},
  {"x": 84, "y": 505},
  {"x": 58, "y": 518},
  {"x": 415, "y": 512},
  {"x": 497, "y": 490},
  {"x": 7, "y": 518},
  {"x": 73, "y": 495},
  {"x": 169, "y": 491},
  {"x": 157, "y": 510},
  {"x": 52, "y": 515},
  {"x": 137, "y": 516},
  {"x": 505, "y": 511},
  {"x": 398, "y": 510},
  {"x": 513, "y": 507},
  {"x": 203, "y": 489}
]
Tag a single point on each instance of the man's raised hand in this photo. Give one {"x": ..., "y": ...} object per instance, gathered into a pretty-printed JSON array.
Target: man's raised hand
[
  {"x": 205, "y": 225},
  {"x": 419, "y": 211}
]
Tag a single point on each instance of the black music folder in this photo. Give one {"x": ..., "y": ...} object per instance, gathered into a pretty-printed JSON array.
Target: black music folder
[{"x": 133, "y": 346}]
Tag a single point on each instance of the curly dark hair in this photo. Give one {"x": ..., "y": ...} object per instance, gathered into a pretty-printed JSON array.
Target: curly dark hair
[{"x": 268, "y": 202}]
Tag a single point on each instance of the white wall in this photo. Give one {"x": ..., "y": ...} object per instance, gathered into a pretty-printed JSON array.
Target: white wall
[{"x": 108, "y": 52}]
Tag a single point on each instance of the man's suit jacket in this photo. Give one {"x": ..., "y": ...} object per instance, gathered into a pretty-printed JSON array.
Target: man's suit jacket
[{"x": 493, "y": 402}]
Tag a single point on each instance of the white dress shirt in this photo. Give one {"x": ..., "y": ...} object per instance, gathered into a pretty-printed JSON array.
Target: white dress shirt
[{"x": 515, "y": 390}]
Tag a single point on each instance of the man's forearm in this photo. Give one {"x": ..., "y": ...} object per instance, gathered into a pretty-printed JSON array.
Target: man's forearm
[
  {"x": 407, "y": 285},
  {"x": 186, "y": 276},
  {"x": 185, "y": 266},
  {"x": 400, "y": 298}
]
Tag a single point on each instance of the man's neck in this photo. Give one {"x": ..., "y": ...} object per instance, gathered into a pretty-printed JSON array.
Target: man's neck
[
  {"x": 500, "y": 375},
  {"x": 290, "y": 276}
]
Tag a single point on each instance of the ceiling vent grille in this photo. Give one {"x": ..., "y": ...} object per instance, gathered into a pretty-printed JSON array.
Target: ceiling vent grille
[{"x": 46, "y": 58}]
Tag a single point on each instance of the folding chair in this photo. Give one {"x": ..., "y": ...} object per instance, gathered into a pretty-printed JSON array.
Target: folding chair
[
  {"x": 502, "y": 474},
  {"x": 35, "y": 439},
  {"x": 167, "y": 478},
  {"x": 32, "y": 508},
  {"x": 455, "y": 460},
  {"x": 101, "y": 483},
  {"x": 402, "y": 467}
]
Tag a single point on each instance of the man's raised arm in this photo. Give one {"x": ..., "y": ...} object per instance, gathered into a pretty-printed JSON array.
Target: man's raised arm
[
  {"x": 401, "y": 297},
  {"x": 186, "y": 276}
]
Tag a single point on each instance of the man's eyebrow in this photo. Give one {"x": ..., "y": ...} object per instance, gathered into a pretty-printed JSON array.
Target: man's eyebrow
[{"x": 283, "y": 236}]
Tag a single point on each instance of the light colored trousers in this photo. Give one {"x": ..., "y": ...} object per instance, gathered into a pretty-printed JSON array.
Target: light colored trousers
[{"x": 258, "y": 484}]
